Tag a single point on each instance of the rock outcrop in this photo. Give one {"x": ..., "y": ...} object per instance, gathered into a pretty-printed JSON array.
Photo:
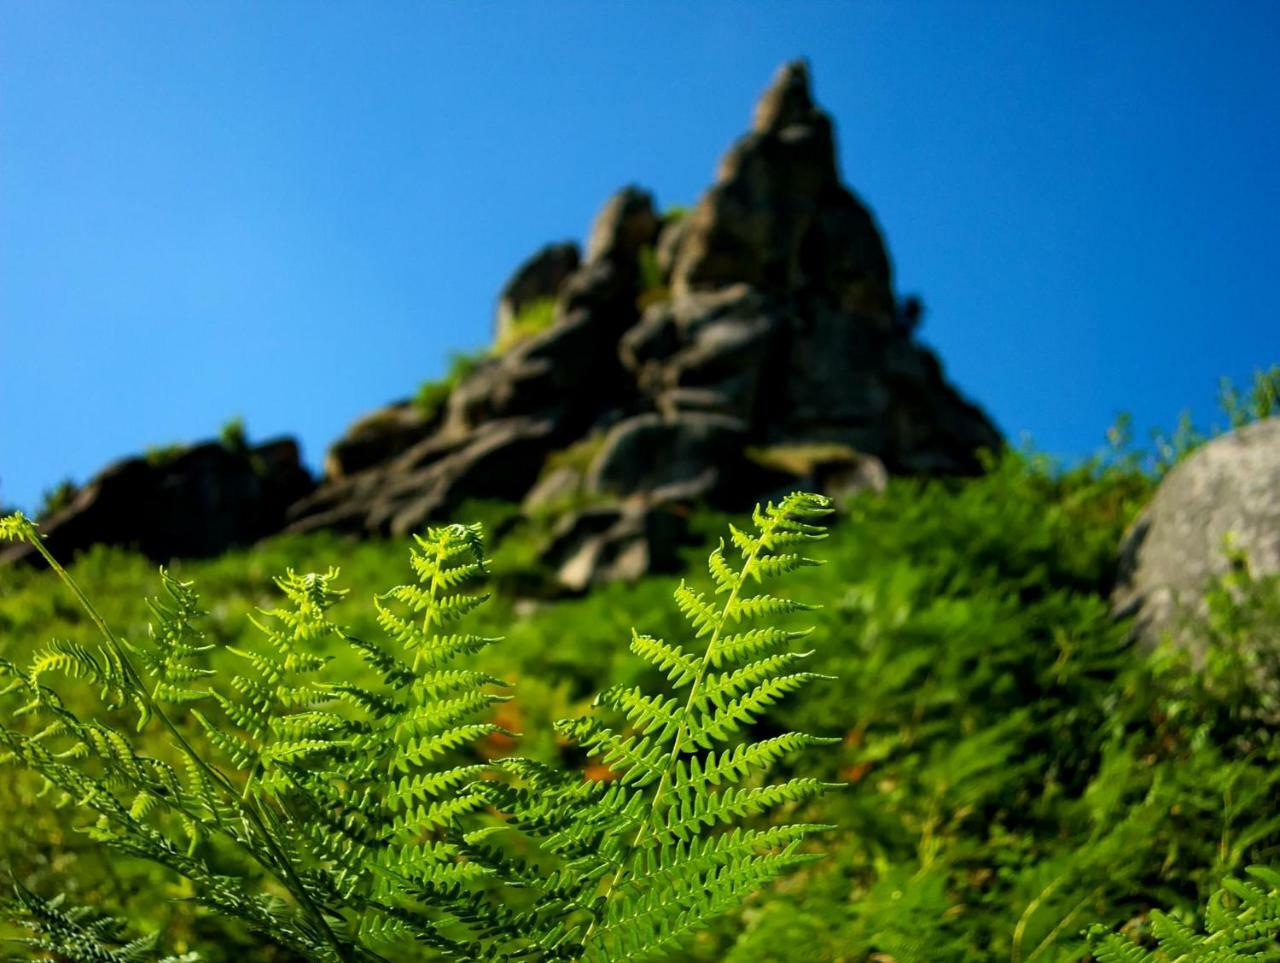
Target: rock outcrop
[
  {"x": 188, "y": 502},
  {"x": 542, "y": 276},
  {"x": 752, "y": 345},
  {"x": 1230, "y": 487},
  {"x": 691, "y": 347}
]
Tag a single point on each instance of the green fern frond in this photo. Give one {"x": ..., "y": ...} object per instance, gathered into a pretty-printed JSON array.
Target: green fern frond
[
  {"x": 363, "y": 800},
  {"x": 178, "y": 644},
  {"x": 1242, "y": 923},
  {"x": 16, "y": 527},
  {"x": 661, "y": 851},
  {"x": 61, "y": 932}
]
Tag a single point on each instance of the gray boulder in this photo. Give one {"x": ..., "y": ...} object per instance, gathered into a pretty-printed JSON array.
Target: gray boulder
[
  {"x": 1230, "y": 487},
  {"x": 696, "y": 454},
  {"x": 500, "y": 460},
  {"x": 616, "y": 543},
  {"x": 190, "y": 502},
  {"x": 377, "y": 437}
]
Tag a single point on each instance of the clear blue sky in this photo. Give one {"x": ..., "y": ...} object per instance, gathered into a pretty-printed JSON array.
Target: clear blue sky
[{"x": 294, "y": 211}]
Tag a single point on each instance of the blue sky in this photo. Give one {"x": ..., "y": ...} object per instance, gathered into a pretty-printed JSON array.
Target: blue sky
[{"x": 293, "y": 212}]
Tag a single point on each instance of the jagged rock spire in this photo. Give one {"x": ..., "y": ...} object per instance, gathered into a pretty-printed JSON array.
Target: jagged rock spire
[
  {"x": 779, "y": 219},
  {"x": 787, "y": 101},
  {"x": 626, "y": 224}
]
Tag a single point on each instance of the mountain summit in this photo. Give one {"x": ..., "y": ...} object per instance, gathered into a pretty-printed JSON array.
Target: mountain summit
[{"x": 752, "y": 344}]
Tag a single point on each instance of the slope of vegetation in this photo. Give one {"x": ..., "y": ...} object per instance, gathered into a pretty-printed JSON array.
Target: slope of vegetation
[{"x": 1019, "y": 780}]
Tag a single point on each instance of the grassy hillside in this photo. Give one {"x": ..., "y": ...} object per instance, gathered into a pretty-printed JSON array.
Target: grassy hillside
[{"x": 1014, "y": 770}]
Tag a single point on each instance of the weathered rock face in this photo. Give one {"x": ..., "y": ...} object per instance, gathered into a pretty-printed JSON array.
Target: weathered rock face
[
  {"x": 783, "y": 307},
  {"x": 612, "y": 543},
  {"x": 1230, "y": 486},
  {"x": 503, "y": 420},
  {"x": 779, "y": 219},
  {"x": 772, "y": 324},
  {"x": 499, "y": 459},
  {"x": 198, "y": 502},
  {"x": 751, "y": 346},
  {"x": 376, "y": 437}
]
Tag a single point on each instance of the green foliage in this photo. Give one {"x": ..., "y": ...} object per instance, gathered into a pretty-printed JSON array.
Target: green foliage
[
  {"x": 1171, "y": 450},
  {"x": 1261, "y": 401},
  {"x": 652, "y": 848},
  {"x": 61, "y": 932},
  {"x": 158, "y": 456},
  {"x": 233, "y": 437},
  {"x": 577, "y": 456},
  {"x": 1014, "y": 769},
  {"x": 57, "y": 498},
  {"x": 1241, "y": 923},
  {"x": 1017, "y": 769},
  {"x": 653, "y": 287},
  {"x": 432, "y": 395},
  {"x": 533, "y": 318},
  {"x": 352, "y": 795}
]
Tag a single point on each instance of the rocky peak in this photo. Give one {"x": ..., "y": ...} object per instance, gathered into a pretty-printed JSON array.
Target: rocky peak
[
  {"x": 753, "y": 345},
  {"x": 626, "y": 224},
  {"x": 787, "y": 101},
  {"x": 768, "y": 351},
  {"x": 778, "y": 217}
]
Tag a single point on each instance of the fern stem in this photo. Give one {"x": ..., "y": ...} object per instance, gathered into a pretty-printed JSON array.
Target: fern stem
[
  {"x": 1019, "y": 931},
  {"x": 156, "y": 710},
  {"x": 1062, "y": 924},
  {"x": 682, "y": 730}
]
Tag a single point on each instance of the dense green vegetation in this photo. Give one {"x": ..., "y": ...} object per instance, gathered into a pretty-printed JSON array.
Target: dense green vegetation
[
  {"x": 337, "y": 784},
  {"x": 534, "y": 318},
  {"x": 1020, "y": 779}
]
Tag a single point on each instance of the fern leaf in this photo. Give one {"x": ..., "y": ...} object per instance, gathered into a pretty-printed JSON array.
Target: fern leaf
[{"x": 687, "y": 860}]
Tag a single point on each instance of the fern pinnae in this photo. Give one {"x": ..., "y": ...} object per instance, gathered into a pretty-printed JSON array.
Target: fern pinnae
[
  {"x": 678, "y": 665},
  {"x": 18, "y": 527},
  {"x": 350, "y": 791},
  {"x": 1242, "y": 926},
  {"x": 176, "y": 643},
  {"x": 707, "y": 717}
]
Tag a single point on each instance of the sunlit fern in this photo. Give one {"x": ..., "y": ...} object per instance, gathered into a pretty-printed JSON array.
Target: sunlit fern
[
  {"x": 651, "y": 854},
  {"x": 364, "y": 800}
]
